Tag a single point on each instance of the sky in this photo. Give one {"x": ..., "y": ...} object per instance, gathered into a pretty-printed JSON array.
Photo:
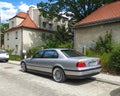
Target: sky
[{"x": 9, "y": 8}]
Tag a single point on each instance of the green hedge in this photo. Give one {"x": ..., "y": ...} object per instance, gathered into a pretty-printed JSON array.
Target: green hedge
[{"x": 15, "y": 57}]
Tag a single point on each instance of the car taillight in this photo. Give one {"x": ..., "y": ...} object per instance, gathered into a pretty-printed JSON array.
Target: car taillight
[
  {"x": 81, "y": 64},
  {"x": 99, "y": 62}
]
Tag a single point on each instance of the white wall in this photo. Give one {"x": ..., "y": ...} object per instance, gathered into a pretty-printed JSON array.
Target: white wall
[
  {"x": 16, "y": 21},
  {"x": 13, "y": 42},
  {"x": 31, "y": 38},
  {"x": 86, "y": 35}
]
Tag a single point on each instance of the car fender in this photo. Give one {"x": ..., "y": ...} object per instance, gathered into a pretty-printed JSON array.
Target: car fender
[{"x": 58, "y": 65}]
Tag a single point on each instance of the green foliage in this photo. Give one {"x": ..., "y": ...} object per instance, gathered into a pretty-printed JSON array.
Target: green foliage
[
  {"x": 15, "y": 57},
  {"x": 62, "y": 39},
  {"x": 56, "y": 44},
  {"x": 67, "y": 45},
  {"x": 104, "y": 44},
  {"x": 63, "y": 35},
  {"x": 9, "y": 50},
  {"x": 78, "y": 8},
  {"x": 115, "y": 59},
  {"x": 33, "y": 50},
  {"x": 4, "y": 26},
  {"x": 51, "y": 44},
  {"x": 110, "y": 61}
]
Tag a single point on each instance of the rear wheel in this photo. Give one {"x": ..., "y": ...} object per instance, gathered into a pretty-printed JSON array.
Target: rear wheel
[
  {"x": 23, "y": 67},
  {"x": 58, "y": 75}
]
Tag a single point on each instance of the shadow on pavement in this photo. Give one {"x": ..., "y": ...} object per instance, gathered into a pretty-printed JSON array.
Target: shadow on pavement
[
  {"x": 77, "y": 82},
  {"x": 74, "y": 82},
  {"x": 115, "y": 92}
]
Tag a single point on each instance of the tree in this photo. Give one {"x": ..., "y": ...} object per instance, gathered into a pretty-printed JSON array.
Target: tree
[
  {"x": 4, "y": 26},
  {"x": 77, "y": 9}
]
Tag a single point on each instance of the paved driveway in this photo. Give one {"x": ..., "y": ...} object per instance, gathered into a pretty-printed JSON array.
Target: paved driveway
[{"x": 13, "y": 82}]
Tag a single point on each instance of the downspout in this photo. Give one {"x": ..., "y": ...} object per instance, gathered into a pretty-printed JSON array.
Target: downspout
[{"x": 21, "y": 41}]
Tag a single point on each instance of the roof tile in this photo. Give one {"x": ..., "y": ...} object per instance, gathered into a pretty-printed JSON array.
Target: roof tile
[
  {"x": 28, "y": 23},
  {"x": 105, "y": 12}
]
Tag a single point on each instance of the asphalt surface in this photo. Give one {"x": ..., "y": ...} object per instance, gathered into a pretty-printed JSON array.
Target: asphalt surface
[{"x": 14, "y": 82}]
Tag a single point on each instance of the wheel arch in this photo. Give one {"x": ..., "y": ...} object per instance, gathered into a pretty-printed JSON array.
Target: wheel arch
[{"x": 58, "y": 66}]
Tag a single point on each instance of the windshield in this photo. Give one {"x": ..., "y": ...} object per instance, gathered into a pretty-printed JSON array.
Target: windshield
[{"x": 71, "y": 53}]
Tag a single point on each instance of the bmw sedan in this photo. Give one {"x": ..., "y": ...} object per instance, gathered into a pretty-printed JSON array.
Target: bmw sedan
[{"x": 62, "y": 64}]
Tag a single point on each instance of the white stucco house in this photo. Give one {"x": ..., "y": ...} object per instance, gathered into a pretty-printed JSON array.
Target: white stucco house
[{"x": 27, "y": 30}]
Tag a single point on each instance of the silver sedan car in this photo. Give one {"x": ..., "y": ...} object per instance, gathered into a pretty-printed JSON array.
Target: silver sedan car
[
  {"x": 62, "y": 64},
  {"x": 4, "y": 56}
]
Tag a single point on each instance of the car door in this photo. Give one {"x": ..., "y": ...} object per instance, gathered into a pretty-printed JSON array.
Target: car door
[
  {"x": 48, "y": 60},
  {"x": 44, "y": 60},
  {"x": 34, "y": 61}
]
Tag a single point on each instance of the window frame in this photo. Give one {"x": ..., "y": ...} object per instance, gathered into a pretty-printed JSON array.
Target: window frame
[{"x": 52, "y": 57}]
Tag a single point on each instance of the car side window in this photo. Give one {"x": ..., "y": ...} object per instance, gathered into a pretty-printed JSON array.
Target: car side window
[
  {"x": 39, "y": 54},
  {"x": 50, "y": 54}
]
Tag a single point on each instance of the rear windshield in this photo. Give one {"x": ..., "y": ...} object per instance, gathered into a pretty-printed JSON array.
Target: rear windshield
[{"x": 71, "y": 53}]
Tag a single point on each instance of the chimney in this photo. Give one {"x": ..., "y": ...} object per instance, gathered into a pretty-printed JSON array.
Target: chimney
[{"x": 30, "y": 12}]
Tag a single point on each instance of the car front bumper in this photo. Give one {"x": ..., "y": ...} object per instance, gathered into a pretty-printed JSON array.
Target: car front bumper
[{"x": 82, "y": 73}]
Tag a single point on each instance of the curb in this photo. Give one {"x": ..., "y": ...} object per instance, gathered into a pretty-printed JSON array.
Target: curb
[
  {"x": 14, "y": 62},
  {"x": 106, "y": 81}
]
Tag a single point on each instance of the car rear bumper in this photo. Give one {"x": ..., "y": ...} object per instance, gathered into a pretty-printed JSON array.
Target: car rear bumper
[
  {"x": 82, "y": 73},
  {"x": 4, "y": 59}
]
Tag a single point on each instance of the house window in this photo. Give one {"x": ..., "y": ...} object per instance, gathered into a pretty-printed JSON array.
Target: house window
[
  {"x": 44, "y": 24},
  {"x": 16, "y": 49},
  {"x": 7, "y": 36},
  {"x": 50, "y": 26},
  {"x": 8, "y": 46},
  {"x": 16, "y": 35}
]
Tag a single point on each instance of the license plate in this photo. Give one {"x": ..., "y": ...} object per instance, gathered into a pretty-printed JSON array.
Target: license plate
[{"x": 92, "y": 63}]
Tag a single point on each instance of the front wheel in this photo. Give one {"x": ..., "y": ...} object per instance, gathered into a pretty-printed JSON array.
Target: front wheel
[
  {"x": 58, "y": 75},
  {"x": 23, "y": 67}
]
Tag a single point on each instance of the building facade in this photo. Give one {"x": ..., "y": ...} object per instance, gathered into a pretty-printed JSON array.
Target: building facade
[{"x": 27, "y": 30}]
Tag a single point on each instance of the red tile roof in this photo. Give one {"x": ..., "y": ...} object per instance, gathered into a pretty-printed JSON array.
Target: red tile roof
[
  {"x": 105, "y": 12},
  {"x": 27, "y": 23},
  {"x": 20, "y": 15}
]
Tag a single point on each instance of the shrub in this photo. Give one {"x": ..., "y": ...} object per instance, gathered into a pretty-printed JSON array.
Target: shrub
[
  {"x": 115, "y": 59},
  {"x": 10, "y": 51},
  {"x": 67, "y": 45},
  {"x": 15, "y": 57},
  {"x": 33, "y": 50},
  {"x": 104, "y": 44}
]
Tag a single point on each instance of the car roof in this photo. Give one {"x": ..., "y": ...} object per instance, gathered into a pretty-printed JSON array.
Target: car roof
[{"x": 58, "y": 49}]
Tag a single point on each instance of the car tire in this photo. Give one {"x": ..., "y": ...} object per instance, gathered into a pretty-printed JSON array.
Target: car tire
[
  {"x": 58, "y": 75},
  {"x": 6, "y": 60},
  {"x": 23, "y": 67}
]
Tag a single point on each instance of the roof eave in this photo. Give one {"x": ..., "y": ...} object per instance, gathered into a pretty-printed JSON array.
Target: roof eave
[
  {"x": 112, "y": 20},
  {"x": 42, "y": 29}
]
